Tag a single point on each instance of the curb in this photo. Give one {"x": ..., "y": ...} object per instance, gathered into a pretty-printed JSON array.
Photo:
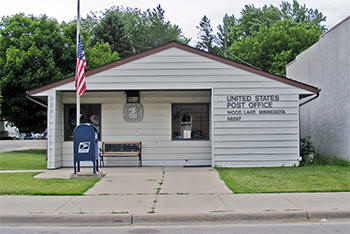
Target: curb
[
  {"x": 78, "y": 219},
  {"x": 222, "y": 217},
  {"x": 129, "y": 219},
  {"x": 329, "y": 214}
]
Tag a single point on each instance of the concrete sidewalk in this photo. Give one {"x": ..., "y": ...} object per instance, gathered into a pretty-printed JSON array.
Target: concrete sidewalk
[{"x": 162, "y": 195}]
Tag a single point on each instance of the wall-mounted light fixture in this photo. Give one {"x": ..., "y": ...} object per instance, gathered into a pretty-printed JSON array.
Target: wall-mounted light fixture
[{"x": 132, "y": 96}]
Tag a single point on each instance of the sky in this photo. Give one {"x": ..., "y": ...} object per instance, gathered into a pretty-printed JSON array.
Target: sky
[{"x": 185, "y": 13}]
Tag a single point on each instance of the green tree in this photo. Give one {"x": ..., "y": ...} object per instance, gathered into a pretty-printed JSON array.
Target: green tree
[
  {"x": 271, "y": 48},
  {"x": 0, "y": 105},
  {"x": 30, "y": 48},
  {"x": 224, "y": 34},
  {"x": 160, "y": 31},
  {"x": 268, "y": 37},
  {"x": 100, "y": 54},
  {"x": 207, "y": 38},
  {"x": 302, "y": 14},
  {"x": 97, "y": 53},
  {"x": 35, "y": 51},
  {"x": 252, "y": 19},
  {"x": 110, "y": 29},
  {"x": 138, "y": 30}
]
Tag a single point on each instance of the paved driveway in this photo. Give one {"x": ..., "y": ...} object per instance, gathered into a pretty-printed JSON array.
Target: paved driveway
[
  {"x": 158, "y": 180},
  {"x": 145, "y": 190}
]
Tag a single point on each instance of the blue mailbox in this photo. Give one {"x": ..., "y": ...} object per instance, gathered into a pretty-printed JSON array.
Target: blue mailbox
[{"x": 85, "y": 138}]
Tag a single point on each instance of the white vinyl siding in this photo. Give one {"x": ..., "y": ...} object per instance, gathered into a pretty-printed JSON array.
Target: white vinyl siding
[
  {"x": 59, "y": 127},
  {"x": 256, "y": 140},
  {"x": 177, "y": 69},
  {"x": 177, "y": 76},
  {"x": 54, "y": 119}
]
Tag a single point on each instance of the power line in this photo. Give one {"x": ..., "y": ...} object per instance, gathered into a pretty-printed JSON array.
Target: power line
[{"x": 245, "y": 62}]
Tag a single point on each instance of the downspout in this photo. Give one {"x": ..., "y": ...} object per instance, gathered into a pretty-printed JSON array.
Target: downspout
[
  {"x": 303, "y": 103},
  {"x": 36, "y": 101}
]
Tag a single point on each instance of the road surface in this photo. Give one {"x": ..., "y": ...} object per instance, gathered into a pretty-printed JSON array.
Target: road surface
[
  {"x": 286, "y": 228},
  {"x": 11, "y": 145}
]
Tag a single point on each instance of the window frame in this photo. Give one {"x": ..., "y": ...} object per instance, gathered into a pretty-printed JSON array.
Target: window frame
[
  {"x": 65, "y": 138},
  {"x": 190, "y": 139}
]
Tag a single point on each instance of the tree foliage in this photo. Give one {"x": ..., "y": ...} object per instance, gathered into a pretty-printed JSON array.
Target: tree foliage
[
  {"x": 271, "y": 48},
  {"x": 207, "y": 38},
  {"x": 99, "y": 54},
  {"x": 253, "y": 19},
  {"x": 131, "y": 30},
  {"x": 35, "y": 51},
  {"x": 224, "y": 33},
  {"x": 302, "y": 14},
  {"x": 111, "y": 29},
  {"x": 0, "y": 105},
  {"x": 270, "y": 37},
  {"x": 30, "y": 48}
]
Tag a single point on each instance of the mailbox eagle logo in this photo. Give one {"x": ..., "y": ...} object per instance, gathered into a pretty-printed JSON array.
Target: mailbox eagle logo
[{"x": 84, "y": 147}]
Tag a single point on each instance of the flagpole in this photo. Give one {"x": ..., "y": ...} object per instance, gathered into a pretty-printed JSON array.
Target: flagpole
[{"x": 77, "y": 93}]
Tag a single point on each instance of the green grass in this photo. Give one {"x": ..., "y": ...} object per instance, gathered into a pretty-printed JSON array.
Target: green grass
[
  {"x": 25, "y": 184},
  {"x": 320, "y": 178},
  {"x": 23, "y": 160}
]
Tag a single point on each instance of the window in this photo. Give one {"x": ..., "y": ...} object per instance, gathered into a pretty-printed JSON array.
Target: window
[
  {"x": 91, "y": 113},
  {"x": 190, "y": 121}
]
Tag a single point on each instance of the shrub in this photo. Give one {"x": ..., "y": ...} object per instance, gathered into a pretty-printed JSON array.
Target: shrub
[
  {"x": 307, "y": 151},
  {"x": 309, "y": 155}
]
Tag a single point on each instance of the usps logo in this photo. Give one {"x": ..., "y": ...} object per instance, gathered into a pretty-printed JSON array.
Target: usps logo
[{"x": 84, "y": 147}]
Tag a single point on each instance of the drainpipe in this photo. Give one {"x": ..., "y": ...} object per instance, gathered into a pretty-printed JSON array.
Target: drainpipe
[
  {"x": 303, "y": 103},
  {"x": 36, "y": 101}
]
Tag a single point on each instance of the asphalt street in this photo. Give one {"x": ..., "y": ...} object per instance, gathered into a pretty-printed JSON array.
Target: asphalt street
[
  {"x": 284, "y": 228},
  {"x": 11, "y": 145}
]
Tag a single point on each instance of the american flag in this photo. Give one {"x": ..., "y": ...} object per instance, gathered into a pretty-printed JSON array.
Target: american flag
[{"x": 80, "y": 84}]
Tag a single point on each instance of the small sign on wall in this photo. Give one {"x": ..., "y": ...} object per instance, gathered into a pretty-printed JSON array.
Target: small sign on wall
[{"x": 133, "y": 112}]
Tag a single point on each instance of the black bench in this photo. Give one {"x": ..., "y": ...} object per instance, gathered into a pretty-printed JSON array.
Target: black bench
[{"x": 120, "y": 149}]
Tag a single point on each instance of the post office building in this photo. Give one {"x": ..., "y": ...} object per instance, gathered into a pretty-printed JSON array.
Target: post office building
[{"x": 186, "y": 106}]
